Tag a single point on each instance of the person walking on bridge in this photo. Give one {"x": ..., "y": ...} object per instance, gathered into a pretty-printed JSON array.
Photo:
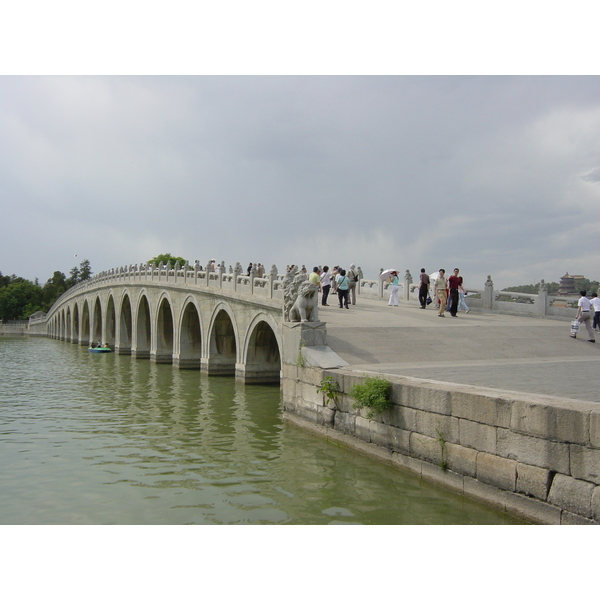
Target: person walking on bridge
[
  {"x": 394, "y": 287},
  {"x": 583, "y": 314},
  {"x": 439, "y": 288},
  {"x": 342, "y": 288},
  {"x": 423, "y": 288},
  {"x": 314, "y": 277},
  {"x": 454, "y": 282},
  {"x": 352, "y": 281},
  {"x": 325, "y": 285}
]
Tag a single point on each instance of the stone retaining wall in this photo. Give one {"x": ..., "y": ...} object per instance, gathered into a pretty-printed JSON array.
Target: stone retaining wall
[{"x": 537, "y": 457}]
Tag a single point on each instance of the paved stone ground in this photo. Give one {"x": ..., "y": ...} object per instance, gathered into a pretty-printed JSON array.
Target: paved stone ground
[{"x": 515, "y": 353}]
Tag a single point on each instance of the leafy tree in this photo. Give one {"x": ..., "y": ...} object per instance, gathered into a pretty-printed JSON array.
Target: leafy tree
[
  {"x": 165, "y": 258},
  {"x": 73, "y": 277},
  {"x": 19, "y": 299},
  {"x": 4, "y": 280},
  {"x": 85, "y": 270},
  {"x": 54, "y": 287},
  {"x": 80, "y": 273}
]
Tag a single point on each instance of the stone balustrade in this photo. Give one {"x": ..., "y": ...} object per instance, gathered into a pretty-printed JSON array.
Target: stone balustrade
[
  {"x": 269, "y": 286},
  {"x": 486, "y": 298}
]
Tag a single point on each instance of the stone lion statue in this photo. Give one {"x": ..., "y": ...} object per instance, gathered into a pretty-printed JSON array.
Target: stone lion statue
[{"x": 305, "y": 305}]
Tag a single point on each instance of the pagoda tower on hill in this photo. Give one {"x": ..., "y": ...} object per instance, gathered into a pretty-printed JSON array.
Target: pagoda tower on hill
[{"x": 567, "y": 286}]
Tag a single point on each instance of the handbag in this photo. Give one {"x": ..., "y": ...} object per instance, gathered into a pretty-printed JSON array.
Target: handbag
[
  {"x": 429, "y": 300},
  {"x": 574, "y": 328}
]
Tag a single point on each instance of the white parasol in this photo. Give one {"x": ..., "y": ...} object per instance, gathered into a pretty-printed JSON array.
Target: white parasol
[{"x": 388, "y": 273}]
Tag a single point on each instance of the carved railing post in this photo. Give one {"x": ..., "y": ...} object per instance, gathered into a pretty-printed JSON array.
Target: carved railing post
[
  {"x": 380, "y": 283},
  {"x": 488, "y": 294},
  {"x": 253, "y": 275},
  {"x": 542, "y": 299},
  {"x": 236, "y": 273},
  {"x": 272, "y": 279},
  {"x": 221, "y": 273},
  {"x": 407, "y": 281},
  {"x": 208, "y": 271}
]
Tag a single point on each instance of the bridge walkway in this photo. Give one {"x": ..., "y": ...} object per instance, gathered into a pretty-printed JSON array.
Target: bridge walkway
[{"x": 514, "y": 353}]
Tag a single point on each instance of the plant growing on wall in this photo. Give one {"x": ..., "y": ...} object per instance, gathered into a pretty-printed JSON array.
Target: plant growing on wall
[
  {"x": 374, "y": 394},
  {"x": 328, "y": 388}
]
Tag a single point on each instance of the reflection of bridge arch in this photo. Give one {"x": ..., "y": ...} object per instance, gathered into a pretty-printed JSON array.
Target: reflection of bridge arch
[{"x": 219, "y": 332}]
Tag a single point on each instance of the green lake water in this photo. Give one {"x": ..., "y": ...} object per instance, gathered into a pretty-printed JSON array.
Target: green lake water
[{"x": 105, "y": 439}]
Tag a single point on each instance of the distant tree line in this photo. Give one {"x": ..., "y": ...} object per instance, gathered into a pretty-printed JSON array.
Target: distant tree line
[
  {"x": 20, "y": 298},
  {"x": 581, "y": 284}
]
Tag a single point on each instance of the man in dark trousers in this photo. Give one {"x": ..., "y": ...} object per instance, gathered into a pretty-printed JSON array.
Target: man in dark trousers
[
  {"x": 423, "y": 288},
  {"x": 454, "y": 282}
]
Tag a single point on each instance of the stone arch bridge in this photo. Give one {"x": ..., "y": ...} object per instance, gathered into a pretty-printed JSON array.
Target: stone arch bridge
[{"x": 222, "y": 324}]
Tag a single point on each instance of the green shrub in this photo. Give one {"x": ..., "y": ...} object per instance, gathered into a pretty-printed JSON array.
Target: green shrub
[
  {"x": 373, "y": 394},
  {"x": 328, "y": 388}
]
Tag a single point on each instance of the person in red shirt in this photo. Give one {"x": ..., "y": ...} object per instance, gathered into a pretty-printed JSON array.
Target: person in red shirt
[{"x": 454, "y": 282}]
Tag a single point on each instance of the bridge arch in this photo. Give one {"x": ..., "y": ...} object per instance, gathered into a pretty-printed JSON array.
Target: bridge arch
[
  {"x": 69, "y": 324},
  {"x": 124, "y": 334},
  {"x": 261, "y": 352},
  {"x": 221, "y": 357},
  {"x": 143, "y": 328},
  {"x": 188, "y": 355},
  {"x": 96, "y": 331},
  {"x": 75, "y": 337},
  {"x": 110, "y": 331},
  {"x": 84, "y": 339},
  {"x": 164, "y": 328}
]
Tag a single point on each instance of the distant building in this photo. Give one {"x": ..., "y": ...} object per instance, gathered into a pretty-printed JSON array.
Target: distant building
[{"x": 567, "y": 285}]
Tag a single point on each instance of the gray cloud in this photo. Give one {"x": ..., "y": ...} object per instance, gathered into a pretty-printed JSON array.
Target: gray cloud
[{"x": 492, "y": 174}]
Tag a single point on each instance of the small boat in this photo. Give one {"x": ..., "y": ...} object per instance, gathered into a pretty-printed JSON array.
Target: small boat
[{"x": 99, "y": 349}]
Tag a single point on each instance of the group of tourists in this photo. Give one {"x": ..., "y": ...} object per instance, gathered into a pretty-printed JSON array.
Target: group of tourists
[
  {"x": 337, "y": 282},
  {"x": 449, "y": 293},
  {"x": 260, "y": 270}
]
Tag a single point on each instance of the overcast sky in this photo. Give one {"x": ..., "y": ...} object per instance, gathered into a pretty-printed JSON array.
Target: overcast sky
[{"x": 496, "y": 175}]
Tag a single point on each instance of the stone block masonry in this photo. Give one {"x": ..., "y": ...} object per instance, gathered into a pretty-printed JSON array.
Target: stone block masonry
[{"x": 536, "y": 457}]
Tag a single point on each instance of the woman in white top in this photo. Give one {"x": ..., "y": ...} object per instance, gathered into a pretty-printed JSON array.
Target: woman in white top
[
  {"x": 394, "y": 289},
  {"x": 325, "y": 285}
]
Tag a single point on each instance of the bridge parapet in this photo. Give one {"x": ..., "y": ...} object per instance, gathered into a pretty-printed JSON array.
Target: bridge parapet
[{"x": 269, "y": 286}]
